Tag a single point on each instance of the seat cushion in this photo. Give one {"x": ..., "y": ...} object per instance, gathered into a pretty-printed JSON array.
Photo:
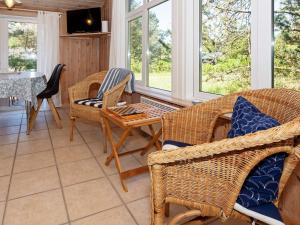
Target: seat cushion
[
  {"x": 93, "y": 102},
  {"x": 261, "y": 185},
  {"x": 171, "y": 145},
  {"x": 267, "y": 213}
]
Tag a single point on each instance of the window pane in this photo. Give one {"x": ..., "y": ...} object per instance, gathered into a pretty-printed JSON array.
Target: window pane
[
  {"x": 287, "y": 44},
  {"x": 22, "y": 43},
  {"x": 135, "y": 47},
  {"x": 160, "y": 40},
  {"x": 225, "y": 46},
  {"x": 134, "y": 4}
]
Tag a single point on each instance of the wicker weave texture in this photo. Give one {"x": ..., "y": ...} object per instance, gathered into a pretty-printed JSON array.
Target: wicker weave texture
[{"x": 209, "y": 176}]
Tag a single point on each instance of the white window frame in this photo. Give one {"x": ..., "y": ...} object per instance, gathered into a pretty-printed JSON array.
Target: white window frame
[
  {"x": 7, "y": 19},
  {"x": 142, "y": 11},
  {"x": 261, "y": 48}
]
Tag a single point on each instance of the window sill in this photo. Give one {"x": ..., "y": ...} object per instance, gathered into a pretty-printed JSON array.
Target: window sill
[{"x": 162, "y": 95}]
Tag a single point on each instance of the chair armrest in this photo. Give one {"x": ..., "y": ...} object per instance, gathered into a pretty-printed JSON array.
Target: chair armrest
[{"x": 285, "y": 132}]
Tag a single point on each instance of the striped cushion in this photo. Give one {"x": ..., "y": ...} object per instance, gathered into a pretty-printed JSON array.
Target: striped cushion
[
  {"x": 113, "y": 77},
  {"x": 93, "y": 102}
]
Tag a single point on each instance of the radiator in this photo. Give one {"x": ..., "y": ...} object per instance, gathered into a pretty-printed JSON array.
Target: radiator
[{"x": 157, "y": 104}]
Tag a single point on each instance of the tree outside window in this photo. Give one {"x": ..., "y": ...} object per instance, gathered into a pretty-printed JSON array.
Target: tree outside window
[{"x": 22, "y": 46}]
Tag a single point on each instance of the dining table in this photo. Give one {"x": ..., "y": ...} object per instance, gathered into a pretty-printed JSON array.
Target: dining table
[{"x": 24, "y": 86}]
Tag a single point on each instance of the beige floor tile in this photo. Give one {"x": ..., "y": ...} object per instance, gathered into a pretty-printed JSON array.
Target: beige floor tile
[
  {"x": 72, "y": 153},
  {"x": 6, "y": 166},
  {"x": 32, "y": 182},
  {"x": 92, "y": 136},
  {"x": 87, "y": 126},
  {"x": 39, "y": 119},
  {"x": 115, "y": 216},
  {"x": 127, "y": 162},
  {"x": 52, "y": 124},
  {"x": 2, "y": 206},
  {"x": 7, "y": 151},
  {"x": 34, "y": 146},
  {"x": 65, "y": 131},
  {"x": 90, "y": 197},
  {"x": 8, "y": 139},
  {"x": 136, "y": 141},
  {"x": 41, "y": 209},
  {"x": 4, "y": 182},
  {"x": 64, "y": 141},
  {"x": 79, "y": 171},
  {"x": 33, "y": 161},
  {"x": 9, "y": 122},
  {"x": 97, "y": 148},
  {"x": 138, "y": 187},
  {"x": 9, "y": 130},
  {"x": 34, "y": 135},
  {"x": 141, "y": 210},
  {"x": 37, "y": 127}
]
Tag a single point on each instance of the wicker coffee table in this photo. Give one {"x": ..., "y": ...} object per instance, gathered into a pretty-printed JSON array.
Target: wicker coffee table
[{"x": 152, "y": 115}]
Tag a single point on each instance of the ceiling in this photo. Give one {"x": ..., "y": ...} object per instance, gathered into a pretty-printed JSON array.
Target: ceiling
[{"x": 58, "y": 5}]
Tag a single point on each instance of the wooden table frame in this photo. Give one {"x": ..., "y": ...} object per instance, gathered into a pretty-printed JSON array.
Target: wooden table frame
[{"x": 128, "y": 127}]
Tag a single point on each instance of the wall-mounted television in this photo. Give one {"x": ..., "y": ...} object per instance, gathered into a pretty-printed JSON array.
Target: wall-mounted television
[{"x": 84, "y": 20}]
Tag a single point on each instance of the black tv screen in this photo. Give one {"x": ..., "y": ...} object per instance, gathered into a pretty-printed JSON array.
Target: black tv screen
[{"x": 84, "y": 20}]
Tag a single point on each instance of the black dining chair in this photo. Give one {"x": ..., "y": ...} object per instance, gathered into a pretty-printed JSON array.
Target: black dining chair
[{"x": 51, "y": 89}]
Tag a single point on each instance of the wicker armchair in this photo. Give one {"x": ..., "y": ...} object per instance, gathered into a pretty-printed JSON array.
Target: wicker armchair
[
  {"x": 208, "y": 176},
  {"x": 81, "y": 91}
]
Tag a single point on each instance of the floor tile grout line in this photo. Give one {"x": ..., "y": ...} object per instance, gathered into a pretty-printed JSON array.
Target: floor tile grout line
[
  {"x": 11, "y": 174},
  {"x": 123, "y": 202},
  {"x": 59, "y": 177},
  {"x": 33, "y": 194}
]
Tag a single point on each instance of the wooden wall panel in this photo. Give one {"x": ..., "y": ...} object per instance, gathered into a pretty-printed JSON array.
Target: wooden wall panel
[{"x": 83, "y": 56}]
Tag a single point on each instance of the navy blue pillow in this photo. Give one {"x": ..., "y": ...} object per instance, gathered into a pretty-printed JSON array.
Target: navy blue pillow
[{"x": 261, "y": 185}]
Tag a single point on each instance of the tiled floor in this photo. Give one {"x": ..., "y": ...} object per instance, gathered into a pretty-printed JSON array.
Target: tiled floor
[{"x": 47, "y": 180}]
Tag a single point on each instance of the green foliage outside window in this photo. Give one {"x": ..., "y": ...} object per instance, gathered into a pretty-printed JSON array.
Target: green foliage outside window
[
  {"x": 22, "y": 46},
  {"x": 287, "y": 44}
]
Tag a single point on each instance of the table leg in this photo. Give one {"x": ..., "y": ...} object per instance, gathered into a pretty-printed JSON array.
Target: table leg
[
  {"x": 115, "y": 149},
  {"x": 153, "y": 140},
  {"x": 28, "y": 113},
  {"x": 157, "y": 145}
]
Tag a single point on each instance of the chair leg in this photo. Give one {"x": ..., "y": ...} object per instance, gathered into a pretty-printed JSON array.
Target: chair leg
[
  {"x": 54, "y": 112},
  {"x": 105, "y": 136},
  {"x": 34, "y": 113},
  {"x": 72, "y": 124}
]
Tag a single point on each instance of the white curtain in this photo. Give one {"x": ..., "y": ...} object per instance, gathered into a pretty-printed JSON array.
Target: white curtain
[
  {"x": 48, "y": 45},
  {"x": 3, "y": 45},
  {"x": 118, "y": 35}
]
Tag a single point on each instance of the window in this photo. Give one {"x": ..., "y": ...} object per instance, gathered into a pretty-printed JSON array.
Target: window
[
  {"x": 149, "y": 42},
  {"x": 134, "y": 4},
  {"x": 22, "y": 43},
  {"x": 135, "y": 47},
  {"x": 160, "y": 40},
  {"x": 287, "y": 44},
  {"x": 225, "y": 51}
]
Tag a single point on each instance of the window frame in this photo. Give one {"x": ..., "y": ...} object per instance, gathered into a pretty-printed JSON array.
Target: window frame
[
  {"x": 20, "y": 19},
  {"x": 143, "y": 11},
  {"x": 262, "y": 43}
]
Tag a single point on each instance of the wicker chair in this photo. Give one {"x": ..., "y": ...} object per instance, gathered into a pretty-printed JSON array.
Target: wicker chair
[
  {"x": 208, "y": 176},
  {"x": 81, "y": 91}
]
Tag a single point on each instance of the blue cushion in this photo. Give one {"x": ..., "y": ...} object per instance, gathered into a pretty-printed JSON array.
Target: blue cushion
[
  {"x": 170, "y": 145},
  {"x": 267, "y": 213},
  {"x": 261, "y": 185}
]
